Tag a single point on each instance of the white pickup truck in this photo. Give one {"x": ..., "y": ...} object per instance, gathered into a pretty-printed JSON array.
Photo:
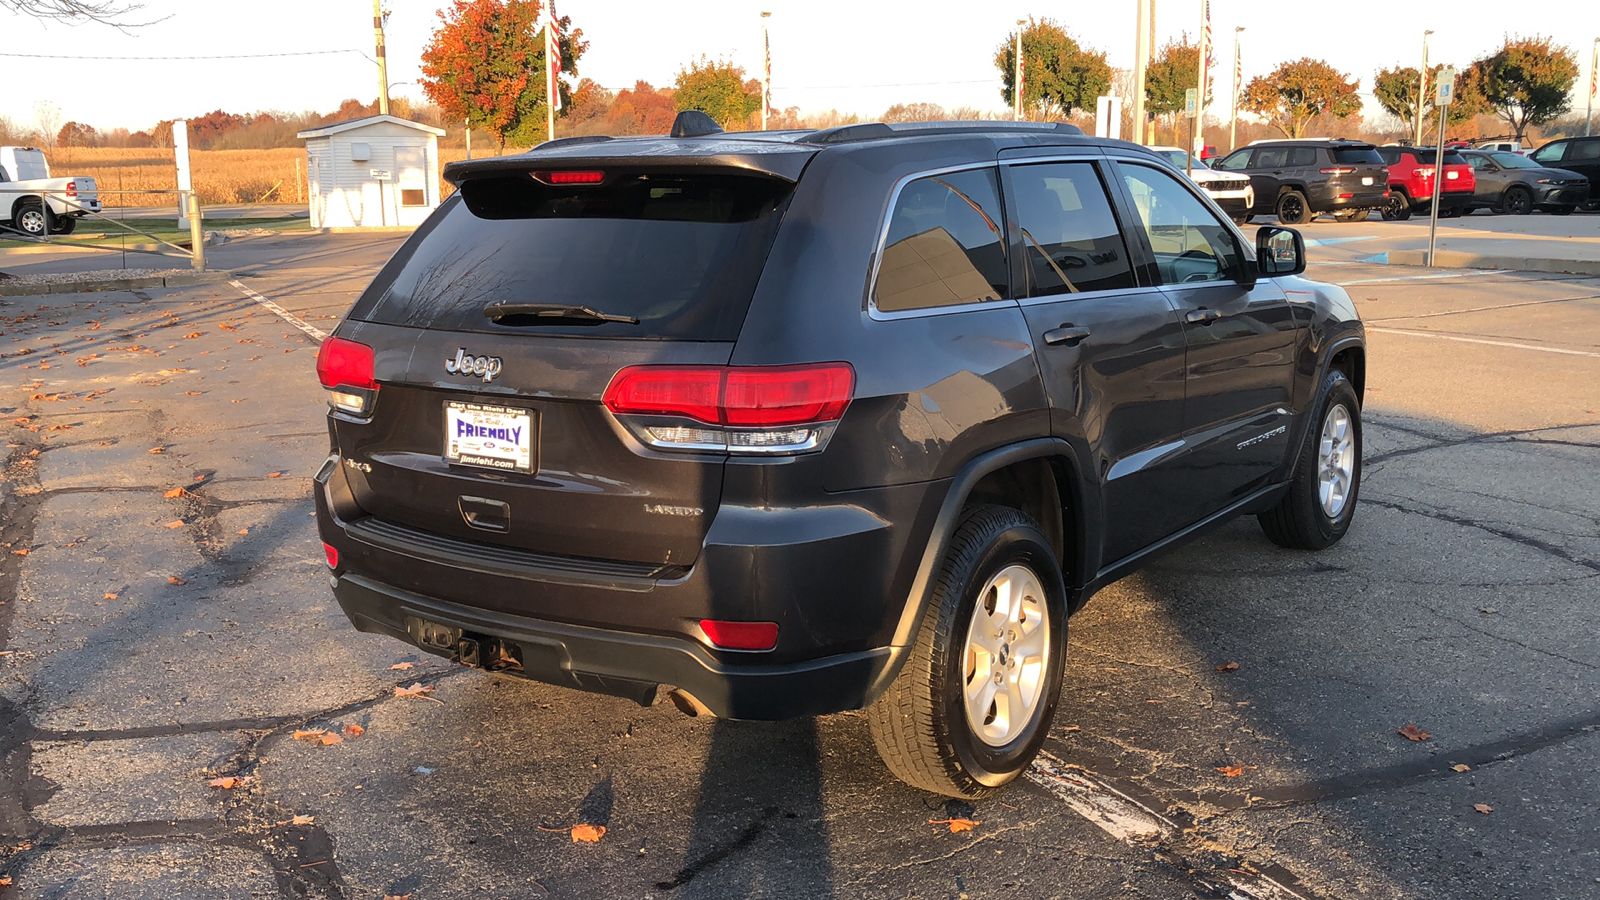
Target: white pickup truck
[{"x": 25, "y": 178}]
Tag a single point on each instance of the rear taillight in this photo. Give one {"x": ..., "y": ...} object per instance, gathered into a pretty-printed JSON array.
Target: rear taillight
[
  {"x": 736, "y": 409},
  {"x": 332, "y": 555},
  {"x": 1424, "y": 171},
  {"x": 346, "y": 369},
  {"x": 72, "y": 189},
  {"x": 1339, "y": 170}
]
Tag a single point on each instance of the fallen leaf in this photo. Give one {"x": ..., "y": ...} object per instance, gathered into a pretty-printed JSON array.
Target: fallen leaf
[
  {"x": 227, "y": 783},
  {"x": 193, "y": 393},
  {"x": 956, "y": 825},
  {"x": 309, "y": 734},
  {"x": 226, "y": 327},
  {"x": 417, "y": 689},
  {"x": 23, "y": 552},
  {"x": 194, "y": 334},
  {"x": 1461, "y": 767},
  {"x": 396, "y": 897},
  {"x": 175, "y": 524},
  {"x": 176, "y": 580},
  {"x": 274, "y": 474},
  {"x": 587, "y": 834},
  {"x": 243, "y": 531},
  {"x": 353, "y": 731},
  {"x": 401, "y": 666},
  {"x": 1483, "y": 808},
  {"x": 1413, "y": 733},
  {"x": 158, "y": 449},
  {"x": 110, "y": 596},
  {"x": 1230, "y": 771},
  {"x": 175, "y": 493},
  {"x": 330, "y": 739},
  {"x": 1228, "y": 667}
]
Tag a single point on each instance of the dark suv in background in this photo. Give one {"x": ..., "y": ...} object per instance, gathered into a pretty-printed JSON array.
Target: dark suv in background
[
  {"x": 1298, "y": 180},
  {"x": 1578, "y": 154},
  {"x": 1513, "y": 184},
  {"x": 800, "y": 422}
]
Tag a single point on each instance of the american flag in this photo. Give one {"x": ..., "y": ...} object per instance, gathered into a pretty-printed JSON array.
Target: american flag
[
  {"x": 766, "y": 87},
  {"x": 1238, "y": 72},
  {"x": 552, "y": 53},
  {"x": 1206, "y": 46}
]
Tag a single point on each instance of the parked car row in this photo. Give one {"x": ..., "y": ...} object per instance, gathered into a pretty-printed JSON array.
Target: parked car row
[{"x": 1299, "y": 180}]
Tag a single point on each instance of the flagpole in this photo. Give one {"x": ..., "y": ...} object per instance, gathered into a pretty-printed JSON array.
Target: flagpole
[
  {"x": 1233, "y": 104},
  {"x": 1594, "y": 83},
  {"x": 549, "y": 74},
  {"x": 766, "y": 71},
  {"x": 1200, "y": 81}
]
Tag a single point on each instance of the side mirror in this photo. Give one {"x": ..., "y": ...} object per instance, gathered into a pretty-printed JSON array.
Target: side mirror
[{"x": 1280, "y": 251}]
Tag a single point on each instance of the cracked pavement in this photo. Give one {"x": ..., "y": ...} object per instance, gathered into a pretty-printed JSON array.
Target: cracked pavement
[{"x": 155, "y": 642}]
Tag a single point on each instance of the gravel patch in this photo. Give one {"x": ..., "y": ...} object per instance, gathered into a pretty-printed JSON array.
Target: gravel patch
[{"x": 86, "y": 277}]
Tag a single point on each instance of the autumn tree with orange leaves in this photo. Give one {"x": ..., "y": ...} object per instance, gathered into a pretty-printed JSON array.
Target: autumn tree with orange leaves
[{"x": 485, "y": 64}]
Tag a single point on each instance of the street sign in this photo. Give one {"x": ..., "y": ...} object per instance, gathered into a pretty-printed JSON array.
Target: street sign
[
  {"x": 1447, "y": 87},
  {"x": 1191, "y": 100},
  {"x": 381, "y": 174}
]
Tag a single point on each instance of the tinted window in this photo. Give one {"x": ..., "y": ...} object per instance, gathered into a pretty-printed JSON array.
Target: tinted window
[
  {"x": 1584, "y": 150},
  {"x": 1190, "y": 243},
  {"x": 1549, "y": 152},
  {"x": 1302, "y": 156},
  {"x": 1389, "y": 155},
  {"x": 1239, "y": 159},
  {"x": 945, "y": 244},
  {"x": 1480, "y": 163},
  {"x": 1451, "y": 157},
  {"x": 1272, "y": 158},
  {"x": 681, "y": 253},
  {"x": 1357, "y": 156},
  {"x": 1071, "y": 239}
]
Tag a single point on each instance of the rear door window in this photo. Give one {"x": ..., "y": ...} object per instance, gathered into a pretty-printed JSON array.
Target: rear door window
[
  {"x": 1272, "y": 158},
  {"x": 1300, "y": 157},
  {"x": 946, "y": 244},
  {"x": 1070, "y": 237},
  {"x": 1584, "y": 150},
  {"x": 679, "y": 252}
]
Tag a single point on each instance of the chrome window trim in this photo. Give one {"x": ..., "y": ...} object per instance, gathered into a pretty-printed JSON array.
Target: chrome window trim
[{"x": 883, "y": 240}]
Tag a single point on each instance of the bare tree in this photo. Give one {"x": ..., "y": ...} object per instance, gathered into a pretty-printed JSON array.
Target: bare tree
[
  {"x": 48, "y": 116},
  {"x": 73, "y": 12}
]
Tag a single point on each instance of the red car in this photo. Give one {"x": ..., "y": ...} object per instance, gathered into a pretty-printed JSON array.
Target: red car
[{"x": 1411, "y": 182}]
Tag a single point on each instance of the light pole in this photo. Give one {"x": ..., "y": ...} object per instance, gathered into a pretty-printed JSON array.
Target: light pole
[
  {"x": 378, "y": 16},
  {"x": 1141, "y": 57},
  {"x": 1016, "y": 76},
  {"x": 766, "y": 70},
  {"x": 1422, "y": 88},
  {"x": 1233, "y": 105}
]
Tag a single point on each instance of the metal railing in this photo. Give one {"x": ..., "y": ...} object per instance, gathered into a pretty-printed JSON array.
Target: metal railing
[{"x": 196, "y": 251}]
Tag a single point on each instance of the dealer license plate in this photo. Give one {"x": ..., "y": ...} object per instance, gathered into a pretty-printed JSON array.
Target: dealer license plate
[
  {"x": 1367, "y": 182},
  {"x": 492, "y": 437}
]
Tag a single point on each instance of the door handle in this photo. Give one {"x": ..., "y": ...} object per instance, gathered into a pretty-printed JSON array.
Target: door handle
[
  {"x": 1202, "y": 316},
  {"x": 1069, "y": 334}
]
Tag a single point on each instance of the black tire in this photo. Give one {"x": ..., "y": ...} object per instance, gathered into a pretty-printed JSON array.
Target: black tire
[
  {"x": 1517, "y": 201},
  {"x": 1240, "y": 220},
  {"x": 920, "y": 724},
  {"x": 1300, "y": 521},
  {"x": 1397, "y": 208},
  {"x": 1292, "y": 208},
  {"x": 1561, "y": 210},
  {"x": 63, "y": 224},
  {"x": 1450, "y": 212},
  {"x": 30, "y": 218}
]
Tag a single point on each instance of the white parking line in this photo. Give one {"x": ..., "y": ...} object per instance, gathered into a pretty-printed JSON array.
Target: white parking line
[
  {"x": 1467, "y": 340},
  {"x": 311, "y": 331}
]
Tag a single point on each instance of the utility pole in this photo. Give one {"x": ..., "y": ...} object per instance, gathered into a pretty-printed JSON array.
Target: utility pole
[
  {"x": 1422, "y": 88},
  {"x": 383, "y": 62},
  {"x": 1198, "y": 127},
  {"x": 1233, "y": 105},
  {"x": 766, "y": 71},
  {"x": 1016, "y": 80},
  {"x": 1141, "y": 57}
]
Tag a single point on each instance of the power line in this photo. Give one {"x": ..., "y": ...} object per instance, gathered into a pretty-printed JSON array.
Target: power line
[{"x": 161, "y": 58}]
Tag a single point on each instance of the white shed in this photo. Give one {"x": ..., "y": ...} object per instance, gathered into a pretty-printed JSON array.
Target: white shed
[{"x": 372, "y": 172}]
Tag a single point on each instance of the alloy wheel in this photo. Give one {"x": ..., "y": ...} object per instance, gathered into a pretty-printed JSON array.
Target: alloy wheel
[
  {"x": 1007, "y": 656},
  {"x": 1336, "y": 461}
]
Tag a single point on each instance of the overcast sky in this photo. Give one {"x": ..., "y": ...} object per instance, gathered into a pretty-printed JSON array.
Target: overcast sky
[{"x": 859, "y": 56}]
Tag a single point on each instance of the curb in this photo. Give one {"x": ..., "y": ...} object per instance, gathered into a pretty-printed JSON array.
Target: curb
[
  {"x": 370, "y": 229},
  {"x": 176, "y": 279},
  {"x": 1456, "y": 259}
]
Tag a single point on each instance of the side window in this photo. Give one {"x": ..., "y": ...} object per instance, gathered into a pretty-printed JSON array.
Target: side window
[
  {"x": 1549, "y": 153},
  {"x": 1389, "y": 157},
  {"x": 1480, "y": 163},
  {"x": 1239, "y": 159},
  {"x": 1584, "y": 150},
  {"x": 1300, "y": 157},
  {"x": 1070, "y": 236},
  {"x": 1190, "y": 243},
  {"x": 1272, "y": 158},
  {"x": 946, "y": 245}
]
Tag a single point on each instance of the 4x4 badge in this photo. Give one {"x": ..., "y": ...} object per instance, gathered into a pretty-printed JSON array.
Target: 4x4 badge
[{"x": 486, "y": 367}]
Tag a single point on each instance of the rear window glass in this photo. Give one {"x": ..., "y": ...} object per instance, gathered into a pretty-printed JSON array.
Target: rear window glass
[
  {"x": 681, "y": 253},
  {"x": 1358, "y": 156}
]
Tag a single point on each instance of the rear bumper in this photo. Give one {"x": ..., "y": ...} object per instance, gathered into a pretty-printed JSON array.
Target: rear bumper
[
  {"x": 1368, "y": 199},
  {"x": 623, "y": 664},
  {"x": 828, "y": 575}
]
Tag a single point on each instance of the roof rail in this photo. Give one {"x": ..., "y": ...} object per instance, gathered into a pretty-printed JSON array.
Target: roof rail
[
  {"x": 694, "y": 123},
  {"x": 871, "y": 131}
]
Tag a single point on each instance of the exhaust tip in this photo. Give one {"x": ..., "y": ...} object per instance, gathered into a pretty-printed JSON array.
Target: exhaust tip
[{"x": 689, "y": 704}]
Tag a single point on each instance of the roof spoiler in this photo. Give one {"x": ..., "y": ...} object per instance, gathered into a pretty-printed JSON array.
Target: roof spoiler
[{"x": 871, "y": 131}]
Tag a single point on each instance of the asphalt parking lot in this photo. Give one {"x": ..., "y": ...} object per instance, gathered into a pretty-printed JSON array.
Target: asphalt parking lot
[{"x": 166, "y": 622}]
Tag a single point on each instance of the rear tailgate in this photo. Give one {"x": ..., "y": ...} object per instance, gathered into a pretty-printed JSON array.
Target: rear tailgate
[
  {"x": 495, "y": 430},
  {"x": 1357, "y": 172}
]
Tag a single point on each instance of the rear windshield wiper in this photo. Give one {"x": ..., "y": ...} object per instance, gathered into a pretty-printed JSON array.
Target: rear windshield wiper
[{"x": 550, "y": 314}]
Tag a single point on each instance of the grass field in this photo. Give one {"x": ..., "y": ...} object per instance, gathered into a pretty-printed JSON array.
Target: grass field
[{"x": 220, "y": 176}]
